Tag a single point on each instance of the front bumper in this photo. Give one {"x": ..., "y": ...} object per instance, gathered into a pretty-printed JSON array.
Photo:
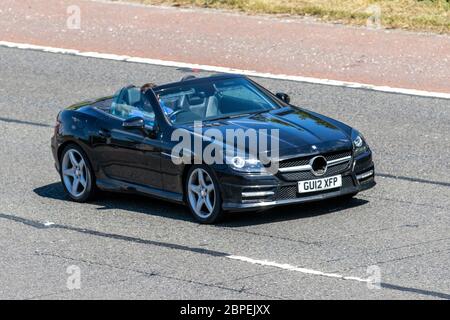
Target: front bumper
[{"x": 247, "y": 192}]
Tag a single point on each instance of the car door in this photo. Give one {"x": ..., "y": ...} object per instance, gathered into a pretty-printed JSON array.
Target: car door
[{"x": 128, "y": 154}]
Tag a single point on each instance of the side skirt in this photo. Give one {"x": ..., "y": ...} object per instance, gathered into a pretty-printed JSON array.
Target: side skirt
[{"x": 126, "y": 187}]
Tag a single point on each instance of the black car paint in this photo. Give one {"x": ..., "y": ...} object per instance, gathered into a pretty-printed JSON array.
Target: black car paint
[{"x": 131, "y": 160}]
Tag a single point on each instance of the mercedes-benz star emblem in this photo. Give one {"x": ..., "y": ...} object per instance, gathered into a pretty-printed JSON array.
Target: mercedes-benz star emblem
[{"x": 319, "y": 165}]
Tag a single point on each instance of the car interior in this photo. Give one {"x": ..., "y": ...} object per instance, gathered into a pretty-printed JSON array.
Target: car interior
[
  {"x": 211, "y": 100},
  {"x": 130, "y": 102},
  {"x": 186, "y": 103}
]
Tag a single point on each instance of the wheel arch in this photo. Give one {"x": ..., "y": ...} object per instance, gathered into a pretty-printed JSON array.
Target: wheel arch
[{"x": 184, "y": 176}]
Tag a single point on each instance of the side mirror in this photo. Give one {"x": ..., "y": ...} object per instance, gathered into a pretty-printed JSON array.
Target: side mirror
[
  {"x": 139, "y": 123},
  {"x": 134, "y": 123},
  {"x": 283, "y": 97}
]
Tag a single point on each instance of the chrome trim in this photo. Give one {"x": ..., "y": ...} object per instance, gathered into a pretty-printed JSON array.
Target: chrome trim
[
  {"x": 170, "y": 155},
  {"x": 257, "y": 194},
  {"x": 308, "y": 167},
  {"x": 339, "y": 161}
]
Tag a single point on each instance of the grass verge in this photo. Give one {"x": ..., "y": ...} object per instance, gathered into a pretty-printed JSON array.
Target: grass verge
[{"x": 417, "y": 15}]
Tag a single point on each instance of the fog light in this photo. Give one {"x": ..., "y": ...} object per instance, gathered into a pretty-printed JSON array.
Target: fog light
[{"x": 364, "y": 175}]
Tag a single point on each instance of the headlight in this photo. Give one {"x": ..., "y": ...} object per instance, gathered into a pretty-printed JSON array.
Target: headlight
[
  {"x": 243, "y": 164},
  {"x": 359, "y": 144}
]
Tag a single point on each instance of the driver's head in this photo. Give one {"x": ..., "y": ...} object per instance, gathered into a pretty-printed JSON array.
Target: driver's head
[{"x": 147, "y": 86}]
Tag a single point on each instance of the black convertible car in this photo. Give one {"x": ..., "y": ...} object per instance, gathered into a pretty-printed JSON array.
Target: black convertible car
[{"x": 125, "y": 143}]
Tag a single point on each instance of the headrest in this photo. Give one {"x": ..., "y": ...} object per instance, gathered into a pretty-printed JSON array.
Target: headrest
[
  {"x": 196, "y": 98},
  {"x": 132, "y": 96}
]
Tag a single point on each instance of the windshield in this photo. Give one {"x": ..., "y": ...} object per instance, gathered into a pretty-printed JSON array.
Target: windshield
[{"x": 214, "y": 100}]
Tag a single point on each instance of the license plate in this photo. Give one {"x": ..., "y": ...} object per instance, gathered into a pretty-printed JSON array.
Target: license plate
[{"x": 320, "y": 184}]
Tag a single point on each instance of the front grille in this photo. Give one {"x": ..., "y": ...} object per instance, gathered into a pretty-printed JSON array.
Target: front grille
[
  {"x": 338, "y": 155},
  {"x": 308, "y": 175},
  {"x": 290, "y": 192},
  {"x": 294, "y": 162}
]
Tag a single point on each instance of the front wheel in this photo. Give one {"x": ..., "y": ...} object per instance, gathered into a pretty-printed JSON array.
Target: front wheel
[{"x": 203, "y": 194}]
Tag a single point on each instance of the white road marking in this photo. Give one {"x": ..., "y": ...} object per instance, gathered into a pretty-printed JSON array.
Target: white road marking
[
  {"x": 297, "y": 269},
  {"x": 283, "y": 266},
  {"x": 109, "y": 56}
]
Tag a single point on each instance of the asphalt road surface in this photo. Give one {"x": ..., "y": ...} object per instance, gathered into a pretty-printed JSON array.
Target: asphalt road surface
[{"x": 138, "y": 247}]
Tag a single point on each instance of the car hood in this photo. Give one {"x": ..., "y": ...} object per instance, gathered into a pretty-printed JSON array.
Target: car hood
[{"x": 300, "y": 131}]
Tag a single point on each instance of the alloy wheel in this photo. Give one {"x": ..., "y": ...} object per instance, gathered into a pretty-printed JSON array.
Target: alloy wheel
[
  {"x": 201, "y": 193},
  {"x": 75, "y": 173}
]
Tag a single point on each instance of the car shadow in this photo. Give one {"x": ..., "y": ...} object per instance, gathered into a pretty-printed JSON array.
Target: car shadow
[
  {"x": 123, "y": 201},
  {"x": 153, "y": 206},
  {"x": 289, "y": 212}
]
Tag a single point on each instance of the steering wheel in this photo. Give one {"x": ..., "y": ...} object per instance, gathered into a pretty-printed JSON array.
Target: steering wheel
[{"x": 177, "y": 112}]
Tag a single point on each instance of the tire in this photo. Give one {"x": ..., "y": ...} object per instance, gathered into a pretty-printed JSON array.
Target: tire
[
  {"x": 203, "y": 198},
  {"x": 75, "y": 166}
]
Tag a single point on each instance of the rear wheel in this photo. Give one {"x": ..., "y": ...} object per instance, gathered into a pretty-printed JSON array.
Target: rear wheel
[
  {"x": 76, "y": 174},
  {"x": 203, "y": 195}
]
